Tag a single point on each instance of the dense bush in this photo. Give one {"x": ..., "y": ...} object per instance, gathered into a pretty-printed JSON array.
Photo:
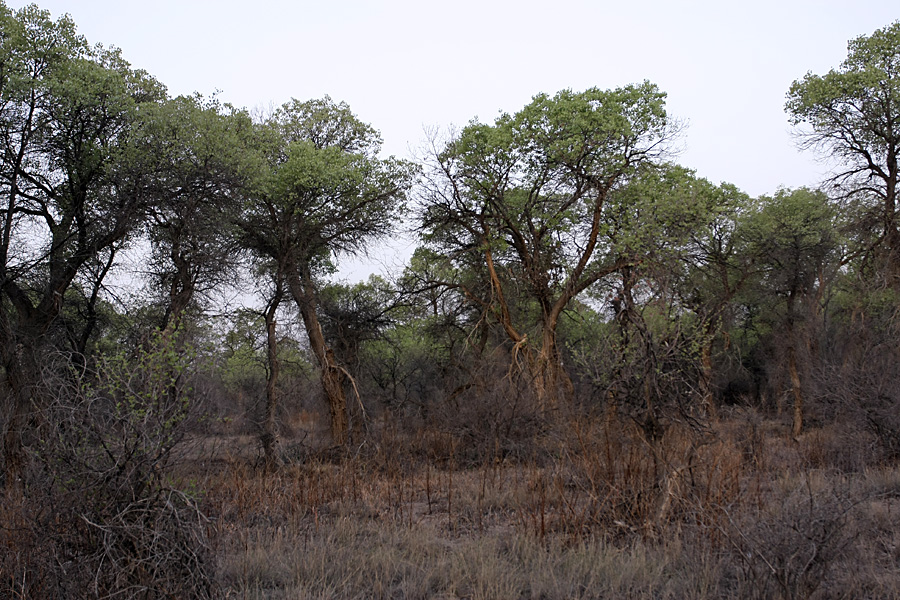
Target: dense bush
[{"x": 100, "y": 513}]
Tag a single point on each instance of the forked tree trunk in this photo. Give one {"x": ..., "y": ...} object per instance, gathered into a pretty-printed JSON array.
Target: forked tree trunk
[
  {"x": 544, "y": 367},
  {"x": 552, "y": 382},
  {"x": 181, "y": 292}
]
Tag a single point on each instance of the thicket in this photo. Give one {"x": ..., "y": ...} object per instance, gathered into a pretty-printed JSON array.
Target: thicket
[{"x": 600, "y": 345}]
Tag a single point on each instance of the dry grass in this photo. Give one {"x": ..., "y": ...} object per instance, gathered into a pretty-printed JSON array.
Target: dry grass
[
  {"x": 593, "y": 510},
  {"x": 351, "y": 558},
  {"x": 599, "y": 513}
]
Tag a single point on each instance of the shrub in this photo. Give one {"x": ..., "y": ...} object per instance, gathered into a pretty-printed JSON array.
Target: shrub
[{"x": 98, "y": 512}]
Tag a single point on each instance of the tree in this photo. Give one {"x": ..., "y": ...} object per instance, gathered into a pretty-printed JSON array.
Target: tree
[
  {"x": 853, "y": 112},
  {"x": 530, "y": 202},
  {"x": 713, "y": 265},
  {"x": 793, "y": 238},
  {"x": 355, "y": 314},
  {"x": 196, "y": 147},
  {"x": 69, "y": 188},
  {"x": 321, "y": 190}
]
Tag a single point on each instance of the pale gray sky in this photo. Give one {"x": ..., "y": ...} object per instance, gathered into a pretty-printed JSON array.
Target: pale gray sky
[{"x": 403, "y": 65}]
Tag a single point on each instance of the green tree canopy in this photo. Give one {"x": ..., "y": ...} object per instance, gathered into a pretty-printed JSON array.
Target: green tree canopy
[
  {"x": 320, "y": 190},
  {"x": 69, "y": 116},
  {"x": 853, "y": 113},
  {"x": 195, "y": 149},
  {"x": 531, "y": 201},
  {"x": 794, "y": 239}
]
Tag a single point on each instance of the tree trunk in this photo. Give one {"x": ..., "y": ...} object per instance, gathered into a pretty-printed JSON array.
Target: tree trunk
[
  {"x": 181, "y": 292},
  {"x": 891, "y": 231},
  {"x": 793, "y": 371},
  {"x": 797, "y": 426},
  {"x": 707, "y": 404},
  {"x": 552, "y": 382},
  {"x": 333, "y": 377},
  {"x": 16, "y": 409},
  {"x": 19, "y": 365},
  {"x": 269, "y": 437},
  {"x": 333, "y": 381}
]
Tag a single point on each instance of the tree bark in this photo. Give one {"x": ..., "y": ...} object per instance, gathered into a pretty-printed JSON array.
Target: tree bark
[
  {"x": 891, "y": 231},
  {"x": 707, "y": 404},
  {"x": 19, "y": 359},
  {"x": 81, "y": 341},
  {"x": 333, "y": 376},
  {"x": 548, "y": 376},
  {"x": 18, "y": 405},
  {"x": 551, "y": 379},
  {"x": 793, "y": 371},
  {"x": 181, "y": 290},
  {"x": 797, "y": 425},
  {"x": 269, "y": 437}
]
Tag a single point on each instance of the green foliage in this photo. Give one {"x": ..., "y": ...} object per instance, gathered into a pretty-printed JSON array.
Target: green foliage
[
  {"x": 68, "y": 113},
  {"x": 326, "y": 124},
  {"x": 532, "y": 184},
  {"x": 407, "y": 364},
  {"x": 794, "y": 236},
  {"x": 853, "y": 114},
  {"x": 853, "y": 109},
  {"x": 535, "y": 194},
  {"x": 588, "y": 134},
  {"x": 665, "y": 211},
  {"x": 195, "y": 150},
  {"x": 120, "y": 525},
  {"x": 243, "y": 349},
  {"x": 243, "y": 352},
  {"x": 68, "y": 194},
  {"x": 320, "y": 185},
  {"x": 354, "y": 314},
  {"x": 137, "y": 403},
  {"x": 320, "y": 190}
]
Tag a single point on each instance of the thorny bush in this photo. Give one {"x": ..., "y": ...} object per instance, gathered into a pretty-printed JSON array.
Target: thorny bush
[{"x": 98, "y": 515}]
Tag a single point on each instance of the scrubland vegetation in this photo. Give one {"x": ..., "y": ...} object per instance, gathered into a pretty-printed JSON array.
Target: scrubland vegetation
[{"x": 598, "y": 376}]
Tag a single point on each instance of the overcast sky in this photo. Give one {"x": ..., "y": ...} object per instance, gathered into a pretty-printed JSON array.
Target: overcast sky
[{"x": 403, "y": 65}]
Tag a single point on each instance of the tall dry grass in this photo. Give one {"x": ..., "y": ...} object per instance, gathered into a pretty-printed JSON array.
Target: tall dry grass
[{"x": 594, "y": 511}]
